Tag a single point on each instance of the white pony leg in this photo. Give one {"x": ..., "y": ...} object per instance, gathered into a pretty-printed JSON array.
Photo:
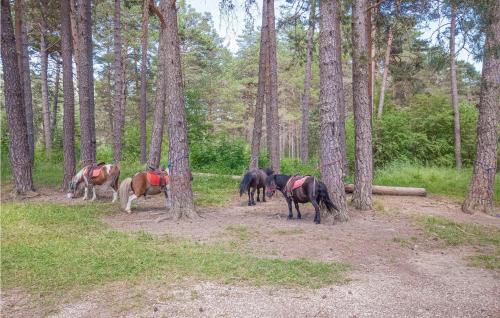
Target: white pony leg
[
  {"x": 94, "y": 196},
  {"x": 115, "y": 196},
  {"x": 86, "y": 193},
  {"x": 130, "y": 199}
]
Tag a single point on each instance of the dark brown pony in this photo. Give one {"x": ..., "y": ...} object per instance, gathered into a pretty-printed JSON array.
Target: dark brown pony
[
  {"x": 311, "y": 190},
  {"x": 255, "y": 180},
  {"x": 141, "y": 185}
]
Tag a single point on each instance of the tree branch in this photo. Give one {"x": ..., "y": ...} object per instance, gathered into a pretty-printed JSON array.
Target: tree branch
[{"x": 157, "y": 13}]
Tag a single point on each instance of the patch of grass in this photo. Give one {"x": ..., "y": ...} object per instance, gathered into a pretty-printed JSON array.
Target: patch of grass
[
  {"x": 401, "y": 241},
  {"x": 454, "y": 234},
  {"x": 242, "y": 232},
  {"x": 489, "y": 261},
  {"x": 51, "y": 248},
  {"x": 437, "y": 180},
  {"x": 214, "y": 190},
  {"x": 292, "y": 231}
]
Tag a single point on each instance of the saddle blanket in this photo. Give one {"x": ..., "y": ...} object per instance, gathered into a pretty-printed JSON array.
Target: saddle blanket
[
  {"x": 95, "y": 172},
  {"x": 293, "y": 183},
  {"x": 155, "y": 179},
  {"x": 297, "y": 184}
]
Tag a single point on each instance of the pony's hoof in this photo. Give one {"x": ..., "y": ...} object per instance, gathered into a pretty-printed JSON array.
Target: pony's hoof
[
  {"x": 290, "y": 217},
  {"x": 317, "y": 222},
  {"x": 128, "y": 211},
  {"x": 253, "y": 203},
  {"x": 299, "y": 217},
  {"x": 249, "y": 203}
]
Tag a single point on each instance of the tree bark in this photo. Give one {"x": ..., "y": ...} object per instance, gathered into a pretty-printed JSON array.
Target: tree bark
[
  {"x": 363, "y": 174},
  {"x": 55, "y": 106},
  {"x": 181, "y": 194},
  {"x": 387, "y": 61},
  {"x": 159, "y": 114},
  {"x": 69, "y": 97},
  {"x": 274, "y": 132},
  {"x": 118, "y": 118},
  {"x": 21, "y": 34},
  {"x": 480, "y": 195},
  {"x": 373, "y": 33},
  {"x": 144, "y": 84},
  {"x": 44, "y": 64},
  {"x": 331, "y": 92},
  {"x": 19, "y": 156},
  {"x": 304, "y": 150},
  {"x": 260, "y": 100},
  {"x": 82, "y": 40},
  {"x": 454, "y": 90}
]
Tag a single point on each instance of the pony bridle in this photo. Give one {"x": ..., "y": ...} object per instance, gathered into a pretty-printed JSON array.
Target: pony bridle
[{"x": 271, "y": 189}]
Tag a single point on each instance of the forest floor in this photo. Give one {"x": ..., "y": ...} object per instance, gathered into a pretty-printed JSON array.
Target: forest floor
[{"x": 402, "y": 264}]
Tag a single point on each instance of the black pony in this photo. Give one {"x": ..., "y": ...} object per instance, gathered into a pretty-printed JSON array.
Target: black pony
[
  {"x": 255, "y": 180},
  {"x": 312, "y": 190}
]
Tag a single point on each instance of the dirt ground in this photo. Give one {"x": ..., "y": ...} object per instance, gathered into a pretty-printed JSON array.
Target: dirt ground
[{"x": 397, "y": 270}]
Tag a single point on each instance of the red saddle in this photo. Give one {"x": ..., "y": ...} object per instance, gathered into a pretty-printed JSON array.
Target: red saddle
[
  {"x": 157, "y": 178},
  {"x": 299, "y": 183}
]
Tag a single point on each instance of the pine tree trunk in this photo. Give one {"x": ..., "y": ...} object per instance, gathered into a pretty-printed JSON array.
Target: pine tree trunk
[
  {"x": 19, "y": 156},
  {"x": 118, "y": 119},
  {"x": 273, "y": 89},
  {"x": 387, "y": 60},
  {"x": 454, "y": 90},
  {"x": 363, "y": 173},
  {"x": 82, "y": 39},
  {"x": 44, "y": 65},
  {"x": 159, "y": 114},
  {"x": 24, "y": 69},
  {"x": 304, "y": 151},
  {"x": 331, "y": 92},
  {"x": 480, "y": 196},
  {"x": 260, "y": 100},
  {"x": 373, "y": 34},
  {"x": 181, "y": 194},
  {"x": 55, "y": 106},
  {"x": 144, "y": 84},
  {"x": 69, "y": 97}
]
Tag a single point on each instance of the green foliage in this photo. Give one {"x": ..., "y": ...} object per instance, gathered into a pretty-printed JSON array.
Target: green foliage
[
  {"x": 219, "y": 154},
  {"x": 423, "y": 133},
  {"x": 292, "y": 166},
  {"x": 51, "y": 248},
  {"x": 214, "y": 190}
]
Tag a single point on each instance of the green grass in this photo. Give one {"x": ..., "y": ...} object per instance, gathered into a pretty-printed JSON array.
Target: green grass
[
  {"x": 242, "y": 232},
  {"x": 51, "y": 248},
  {"x": 214, "y": 190},
  {"x": 292, "y": 231},
  {"x": 443, "y": 181},
  {"x": 454, "y": 234}
]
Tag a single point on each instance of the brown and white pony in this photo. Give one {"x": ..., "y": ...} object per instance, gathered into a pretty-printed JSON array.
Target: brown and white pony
[
  {"x": 91, "y": 176},
  {"x": 142, "y": 184}
]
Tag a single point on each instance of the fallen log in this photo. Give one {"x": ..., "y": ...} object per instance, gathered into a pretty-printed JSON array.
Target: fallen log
[{"x": 386, "y": 190}]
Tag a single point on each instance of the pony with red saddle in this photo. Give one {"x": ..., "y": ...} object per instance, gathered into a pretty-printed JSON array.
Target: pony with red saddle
[
  {"x": 300, "y": 189},
  {"x": 144, "y": 183},
  {"x": 100, "y": 174}
]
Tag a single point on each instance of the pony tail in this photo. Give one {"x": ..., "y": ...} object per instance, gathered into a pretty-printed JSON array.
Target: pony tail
[
  {"x": 124, "y": 190},
  {"x": 245, "y": 183},
  {"x": 325, "y": 198}
]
